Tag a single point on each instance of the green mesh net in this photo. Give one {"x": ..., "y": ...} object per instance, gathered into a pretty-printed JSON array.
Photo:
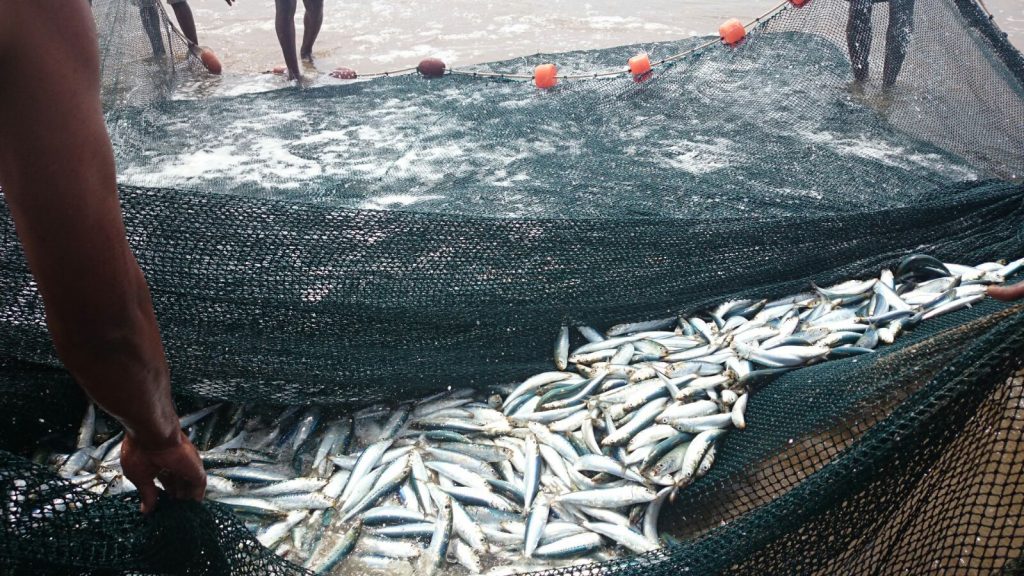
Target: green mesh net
[{"x": 356, "y": 242}]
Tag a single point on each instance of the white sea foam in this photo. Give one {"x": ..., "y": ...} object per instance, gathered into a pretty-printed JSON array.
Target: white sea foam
[
  {"x": 391, "y": 201},
  {"x": 621, "y": 22},
  {"x": 702, "y": 157},
  {"x": 186, "y": 167},
  {"x": 888, "y": 153}
]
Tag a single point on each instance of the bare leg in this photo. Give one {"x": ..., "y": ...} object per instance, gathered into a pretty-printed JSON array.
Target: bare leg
[
  {"x": 186, "y": 22},
  {"x": 151, "y": 24},
  {"x": 285, "y": 25},
  {"x": 858, "y": 37},
  {"x": 311, "y": 24},
  {"x": 897, "y": 39}
]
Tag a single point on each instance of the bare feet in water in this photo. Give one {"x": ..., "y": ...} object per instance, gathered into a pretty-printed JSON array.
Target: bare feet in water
[
  {"x": 879, "y": 100},
  {"x": 282, "y": 70}
]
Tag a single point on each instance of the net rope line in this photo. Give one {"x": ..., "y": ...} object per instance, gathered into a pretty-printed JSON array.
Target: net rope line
[
  {"x": 525, "y": 77},
  {"x": 621, "y": 71}
]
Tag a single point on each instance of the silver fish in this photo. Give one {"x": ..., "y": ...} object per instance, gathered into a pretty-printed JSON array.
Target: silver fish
[
  {"x": 602, "y": 463},
  {"x": 738, "y": 411},
  {"x": 337, "y": 433},
  {"x": 367, "y": 460},
  {"x": 433, "y": 557},
  {"x": 389, "y": 548},
  {"x": 609, "y": 497},
  {"x": 459, "y": 474},
  {"x": 466, "y": 528},
  {"x": 562, "y": 348},
  {"x": 277, "y": 532},
  {"x": 623, "y": 536},
  {"x": 593, "y": 335},
  {"x": 570, "y": 547},
  {"x": 391, "y": 515},
  {"x": 531, "y": 478},
  {"x": 388, "y": 482},
  {"x": 467, "y": 558},
  {"x": 696, "y": 451},
  {"x": 293, "y": 486},
  {"x": 323, "y": 562}
]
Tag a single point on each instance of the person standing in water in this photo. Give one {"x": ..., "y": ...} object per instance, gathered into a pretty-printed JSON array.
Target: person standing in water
[
  {"x": 149, "y": 12},
  {"x": 284, "y": 23},
  {"x": 897, "y": 39}
]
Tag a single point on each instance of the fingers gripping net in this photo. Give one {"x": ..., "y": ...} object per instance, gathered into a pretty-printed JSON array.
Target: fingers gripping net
[{"x": 389, "y": 238}]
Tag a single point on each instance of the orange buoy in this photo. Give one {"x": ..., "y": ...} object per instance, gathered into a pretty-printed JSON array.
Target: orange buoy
[
  {"x": 210, "y": 61},
  {"x": 343, "y": 73},
  {"x": 545, "y": 76},
  {"x": 431, "y": 67},
  {"x": 798, "y": 3},
  {"x": 732, "y": 31},
  {"x": 640, "y": 67}
]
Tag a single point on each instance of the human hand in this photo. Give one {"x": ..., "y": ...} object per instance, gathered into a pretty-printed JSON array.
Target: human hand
[
  {"x": 1007, "y": 293},
  {"x": 177, "y": 467}
]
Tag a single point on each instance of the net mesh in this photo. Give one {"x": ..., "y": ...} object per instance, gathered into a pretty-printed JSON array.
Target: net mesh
[{"x": 356, "y": 242}]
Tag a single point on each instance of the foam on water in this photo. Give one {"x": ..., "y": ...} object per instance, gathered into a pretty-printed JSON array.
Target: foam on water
[
  {"x": 672, "y": 146},
  {"x": 620, "y": 22},
  {"x": 890, "y": 154},
  {"x": 703, "y": 157},
  {"x": 397, "y": 200}
]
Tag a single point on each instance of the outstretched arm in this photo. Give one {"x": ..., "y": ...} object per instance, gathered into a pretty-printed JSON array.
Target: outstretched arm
[{"x": 57, "y": 173}]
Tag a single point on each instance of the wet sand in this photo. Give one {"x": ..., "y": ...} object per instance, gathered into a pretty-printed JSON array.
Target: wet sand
[{"x": 377, "y": 35}]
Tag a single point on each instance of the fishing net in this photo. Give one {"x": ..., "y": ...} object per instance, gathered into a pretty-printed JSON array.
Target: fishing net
[{"x": 359, "y": 242}]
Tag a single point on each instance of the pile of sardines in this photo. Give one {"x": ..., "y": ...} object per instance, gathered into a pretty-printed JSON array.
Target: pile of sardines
[{"x": 568, "y": 467}]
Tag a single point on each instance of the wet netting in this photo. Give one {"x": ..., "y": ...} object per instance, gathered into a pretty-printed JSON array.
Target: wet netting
[{"x": 379, "y": 240}]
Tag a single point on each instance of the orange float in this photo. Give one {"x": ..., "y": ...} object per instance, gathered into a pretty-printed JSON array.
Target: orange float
[
  {"x": 431, "y": 68},
  {"x": 732, "y": 31},
  {"x": 640, "y": 67},
  {"x": 210, "y": 61},
  {"x": 798, "y": 3},
  {"x": 343, "y": 73},
  {"x": 545, "y": 76}
]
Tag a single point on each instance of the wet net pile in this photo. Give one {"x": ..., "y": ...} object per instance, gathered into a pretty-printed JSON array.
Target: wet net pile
[{"x": 383, "y": 240}]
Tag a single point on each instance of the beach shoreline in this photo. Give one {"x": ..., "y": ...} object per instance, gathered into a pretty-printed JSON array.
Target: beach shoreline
[{"x": 380, "y": 35}]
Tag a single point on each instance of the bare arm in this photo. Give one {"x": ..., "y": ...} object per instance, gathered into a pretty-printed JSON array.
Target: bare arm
[{"x": 57, "y": 172}]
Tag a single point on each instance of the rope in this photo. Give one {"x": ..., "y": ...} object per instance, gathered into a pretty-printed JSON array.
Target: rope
[
  {"x": 589, "y": 76},
  {"x": 619, "y": 71},
  {"x": 398, "y": 72},
  {"x": 515, "y": 76}
]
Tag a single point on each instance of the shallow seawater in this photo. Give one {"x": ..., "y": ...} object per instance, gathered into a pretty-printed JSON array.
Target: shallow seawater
[
  {"x": 672, "y": 146},
  {"x": 376, "y": 35}
]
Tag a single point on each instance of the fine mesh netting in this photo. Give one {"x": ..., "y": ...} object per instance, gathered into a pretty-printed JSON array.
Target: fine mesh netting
[{"x": 359, "y": 242}]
